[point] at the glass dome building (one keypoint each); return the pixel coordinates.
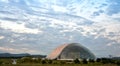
(71, 51)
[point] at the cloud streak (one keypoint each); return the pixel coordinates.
(18, 28)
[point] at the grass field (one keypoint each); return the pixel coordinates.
(59, 65)
(38, 62)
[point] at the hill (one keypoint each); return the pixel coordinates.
(9, 55)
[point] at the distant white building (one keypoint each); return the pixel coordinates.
(14, 61)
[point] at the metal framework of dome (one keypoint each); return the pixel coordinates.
(71, 51)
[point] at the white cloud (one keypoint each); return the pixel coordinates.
(59, 8)
(2, 37)
(87, 8)
(104, 18)
(15, 50)
(109, 27)
(26, 50)
(6, 1)
(7, 49)
(18, 28)
(65, 25)
(110, 44)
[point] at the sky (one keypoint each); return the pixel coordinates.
(39, 26)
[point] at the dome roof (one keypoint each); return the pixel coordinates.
(71, 51)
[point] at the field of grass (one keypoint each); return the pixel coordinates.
(59, 65)
(39, 62)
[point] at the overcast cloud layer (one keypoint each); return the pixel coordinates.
(39, 26)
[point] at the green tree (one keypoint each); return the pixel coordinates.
(118, 62)
(76, 61)
(43, 62)
(98, 60)
(39, 60)
(91, 61)
(85, 61)
(105, 60)
(50, 61)
(26, 60)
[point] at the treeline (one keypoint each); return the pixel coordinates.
(46, 61)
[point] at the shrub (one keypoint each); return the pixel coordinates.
(76, 61)
(62, 62)
(26, 59)
(118, 63)
(43, 62)
(106, 60)
(91, 61)
(98, 60)
(84, 61)
(1, 62)
(50, 61)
